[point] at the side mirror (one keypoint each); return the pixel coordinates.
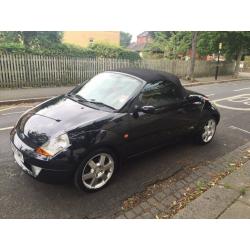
(146, 109)
(193, 98)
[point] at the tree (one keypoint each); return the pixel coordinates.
(41, 39)
(161, 34)
(238, 44)
(234, 45)
(32, 39)
(208, 42)
(173, 44)
(192, 62)
(179, 44)
(125, 39)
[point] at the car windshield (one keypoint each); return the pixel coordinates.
(109, 89)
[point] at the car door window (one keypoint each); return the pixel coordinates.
(160, 93)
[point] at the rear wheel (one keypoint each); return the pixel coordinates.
(207, 131)
(96, 170)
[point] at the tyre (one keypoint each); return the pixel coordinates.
(206, 131)
(96, 170)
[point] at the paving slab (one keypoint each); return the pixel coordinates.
(239, 179)
(214, 202)
(246, 197)
(209, 205)
(237, 210)
(226, 200)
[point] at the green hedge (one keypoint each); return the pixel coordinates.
(93, 51)
(111, 51)
(12, 48)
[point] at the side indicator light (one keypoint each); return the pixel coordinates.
(125, 136)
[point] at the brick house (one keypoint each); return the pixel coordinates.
(142, 40)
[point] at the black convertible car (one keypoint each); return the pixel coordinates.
(88, 132)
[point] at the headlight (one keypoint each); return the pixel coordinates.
(54, 146)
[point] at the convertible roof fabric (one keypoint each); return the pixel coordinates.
(150, 75)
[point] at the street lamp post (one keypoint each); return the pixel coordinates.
(218, 61)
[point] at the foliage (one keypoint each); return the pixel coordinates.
(164, 34)
(179, 44)
(12, 47)
(231, 41)
(111, 51)
(49, 43)
(208, 43)
(237, 41)
(159, 43)
(54, 50)
(172, 44)
(32, 39)
(10, 37)
(235, 45)
(125, 39)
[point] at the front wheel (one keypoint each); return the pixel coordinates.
(96, 170)
(207, 131)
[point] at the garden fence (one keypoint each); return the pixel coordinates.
(27, 70)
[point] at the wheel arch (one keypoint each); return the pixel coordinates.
(112, 148)
(209, 111)
(217, 117)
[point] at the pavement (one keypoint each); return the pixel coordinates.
(180, 164)
(230, 199)
(220, 79)
(14, 96)
(221, 201)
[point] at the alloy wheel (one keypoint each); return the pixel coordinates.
(209, 130)
(98, 171)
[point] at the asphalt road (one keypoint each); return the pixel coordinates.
(23, 197)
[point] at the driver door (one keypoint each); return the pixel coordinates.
(166, 118)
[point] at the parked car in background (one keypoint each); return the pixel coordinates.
(88, 133)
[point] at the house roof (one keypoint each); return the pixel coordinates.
(137, 47)
(144, 33)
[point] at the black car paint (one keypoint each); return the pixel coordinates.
(127, 132)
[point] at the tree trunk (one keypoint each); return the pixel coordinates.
(237, 65)
(25, 39)
(192, 62)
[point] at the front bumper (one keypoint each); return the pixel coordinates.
(37, 166)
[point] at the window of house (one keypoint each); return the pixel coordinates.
(91, 40)
(159, 94)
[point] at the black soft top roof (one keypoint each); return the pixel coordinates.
(150, 75)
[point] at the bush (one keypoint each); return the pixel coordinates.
(93, 51)
(110, 51)
(12, 48)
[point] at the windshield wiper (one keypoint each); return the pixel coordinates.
(76, 97)
(81, 98)
(100, 103)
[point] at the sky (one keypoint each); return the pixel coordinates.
(134, 34)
